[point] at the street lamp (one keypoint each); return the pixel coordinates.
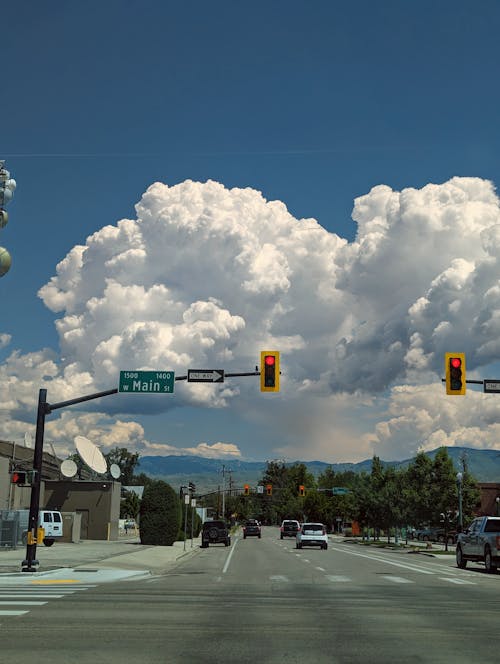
(460, 515)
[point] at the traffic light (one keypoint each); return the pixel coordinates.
(19, 477)
(454, 366)
(302, 490)
(246, 489)
(192, 487)
(269, 489)
(269, 371)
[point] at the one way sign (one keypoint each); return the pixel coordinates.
(205, 375)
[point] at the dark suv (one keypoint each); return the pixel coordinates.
(251, 527)
(215, 532)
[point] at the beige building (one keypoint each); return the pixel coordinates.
(97, 502)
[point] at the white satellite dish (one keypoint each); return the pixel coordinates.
(115, 471)
(69, 468)
(27, 439)
(91, 454)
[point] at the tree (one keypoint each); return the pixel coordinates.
(418, 490)
(130, 505)
(160, 514)
(125, 460)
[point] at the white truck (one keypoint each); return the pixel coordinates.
(480, 543)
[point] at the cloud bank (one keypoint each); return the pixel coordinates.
(206, 276)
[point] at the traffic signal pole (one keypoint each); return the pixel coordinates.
(30, 563)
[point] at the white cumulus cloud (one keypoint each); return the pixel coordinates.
(206, 276)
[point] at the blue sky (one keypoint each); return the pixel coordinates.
(312, 104)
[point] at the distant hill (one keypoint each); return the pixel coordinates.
(207, 473)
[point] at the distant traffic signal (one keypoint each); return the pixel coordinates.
(192, 487)
(302, 490)
(454, 366)
(246, 489)
(269, 489)
(269, 371)
(19, 477)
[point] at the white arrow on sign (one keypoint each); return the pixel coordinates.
(205, 375)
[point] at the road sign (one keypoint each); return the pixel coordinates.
(339, 491)
(147, 382)
(491, 385)
(205, 375)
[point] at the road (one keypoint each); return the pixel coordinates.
(264, 601)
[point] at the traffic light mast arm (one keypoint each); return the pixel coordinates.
(473, 382)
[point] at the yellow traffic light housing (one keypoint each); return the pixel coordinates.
(269, 371)
(302, 490)
(454, 367)
(246, 489)
(269, 489)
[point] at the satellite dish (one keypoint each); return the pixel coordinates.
(91, 454)
(69, 468)
(27, 439)
(115, 471)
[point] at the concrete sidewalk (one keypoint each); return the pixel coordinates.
(125, 554)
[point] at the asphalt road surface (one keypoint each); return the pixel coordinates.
(263, 601)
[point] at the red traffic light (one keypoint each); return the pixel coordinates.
(270, 360)
(456, 362)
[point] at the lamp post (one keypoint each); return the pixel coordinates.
(460, 515)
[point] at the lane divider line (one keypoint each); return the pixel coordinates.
(228, 559)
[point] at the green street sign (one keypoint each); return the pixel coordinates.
(147, 382)
(339, 491)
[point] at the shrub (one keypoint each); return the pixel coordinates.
(160, 514)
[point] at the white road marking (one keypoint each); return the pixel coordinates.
(12, 613)
(21, 603)
(279, 577)
(320, 569)
(228, 559)
(337, 579)
(412, 568)
(397, 579)
(458, 581)
(32, 595)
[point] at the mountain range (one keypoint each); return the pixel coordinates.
(207, 474)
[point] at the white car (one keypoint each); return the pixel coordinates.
(312, 534)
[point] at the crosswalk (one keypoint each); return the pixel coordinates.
(18, 600)
(390, 578)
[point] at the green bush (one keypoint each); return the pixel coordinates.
(160, 514)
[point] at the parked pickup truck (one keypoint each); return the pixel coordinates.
(480, 543)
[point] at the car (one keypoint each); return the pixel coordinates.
(312, 534)
(215, 532)
(289, 528)
(251, 527)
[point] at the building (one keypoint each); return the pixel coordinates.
(97, 501)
